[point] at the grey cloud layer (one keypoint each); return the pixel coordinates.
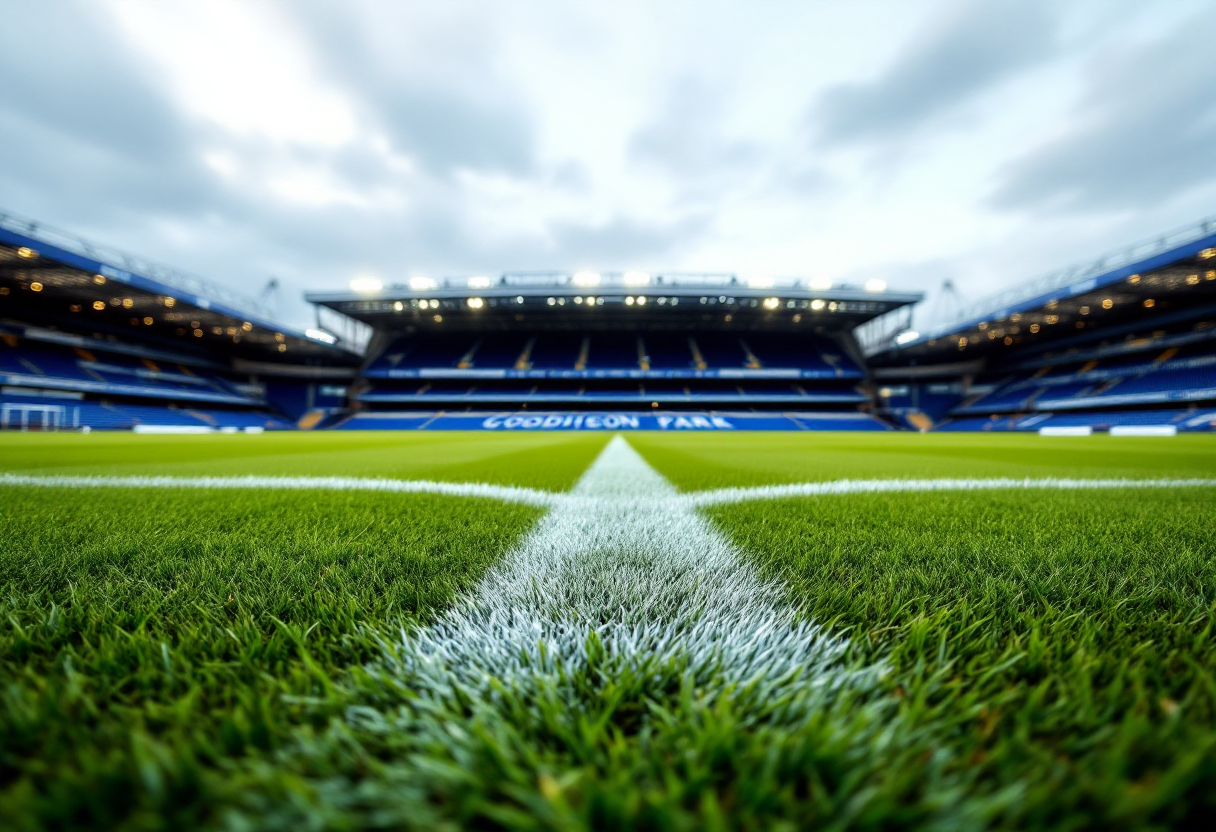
(1145, 132)
(979, 46)
(421, 116)
(93, 142)
(94, 139)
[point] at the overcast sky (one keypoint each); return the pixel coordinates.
(983, 142)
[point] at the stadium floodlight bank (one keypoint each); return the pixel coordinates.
(606, 299)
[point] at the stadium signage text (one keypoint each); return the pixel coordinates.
(605, 421)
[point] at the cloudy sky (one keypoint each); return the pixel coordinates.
(913, 141)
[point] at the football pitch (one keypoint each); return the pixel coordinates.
(569, 631)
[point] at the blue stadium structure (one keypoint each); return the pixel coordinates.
(664, 351)
(95, 338)
(1127, 343)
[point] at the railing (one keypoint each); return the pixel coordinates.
(1065, 277)
(174, 278)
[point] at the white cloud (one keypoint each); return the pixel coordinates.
(240, 66)
(312, 140)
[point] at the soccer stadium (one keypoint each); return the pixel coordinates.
(96, 339)
(607, 550)
(547, 417)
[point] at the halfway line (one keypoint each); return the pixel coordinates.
(547, 499)
(506, 493)
(821, 489)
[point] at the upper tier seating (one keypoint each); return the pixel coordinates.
(35, 364)
(562, 352)
(1147, 377)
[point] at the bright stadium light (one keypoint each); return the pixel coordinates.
(772, 303)
(876, 285)
(817, 305)
(479, 282)
(366, 284)
(420, 284)
(586, 279)
(905, 337)
(636, 278)
(820, 284)
(476, 303)
(321, 335)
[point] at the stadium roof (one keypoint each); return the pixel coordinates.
(593, 300)
(1172, 274)
(54, 277)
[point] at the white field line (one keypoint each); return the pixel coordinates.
(506, 493)
(625, 558)
(824, 489)
(541, 498)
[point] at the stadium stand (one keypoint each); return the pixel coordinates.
(1130, 341)
(92, 338)
(100, 339)
(542, 343)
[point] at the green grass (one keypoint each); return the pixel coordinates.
(1062, 644)
(696, 461)
(174, 659)
(553, 461)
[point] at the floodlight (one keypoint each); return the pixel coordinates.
(366, 284)
(771, 303)
(586, 279)
(476, 303)
(820, 284)
(479, 282)
(321, 335)
(419, 284)
(876, 285)
(817, 305)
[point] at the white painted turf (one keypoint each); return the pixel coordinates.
(625, 558)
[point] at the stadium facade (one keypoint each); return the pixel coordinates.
(95, 338)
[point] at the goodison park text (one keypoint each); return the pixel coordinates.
(605, 421)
